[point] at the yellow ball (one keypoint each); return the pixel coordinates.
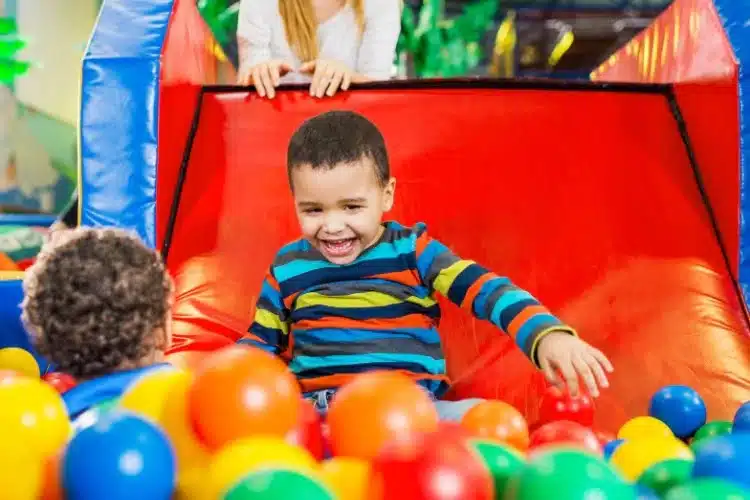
(175, 421)
(347, 477)
(632, 458)
(21, 470)
(191, 485)
(34, 412)
(19, 361)
(644, 427)
(147, 394)
(245, 456)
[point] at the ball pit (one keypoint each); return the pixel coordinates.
(156, 442)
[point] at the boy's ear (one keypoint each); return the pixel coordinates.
(389, 191)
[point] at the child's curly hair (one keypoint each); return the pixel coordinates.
(96, 300)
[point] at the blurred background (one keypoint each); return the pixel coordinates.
(42, 43)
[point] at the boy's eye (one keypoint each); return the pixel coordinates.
(312, 210)
(353, 207)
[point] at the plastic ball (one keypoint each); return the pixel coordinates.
(240, 391)
(644, 427)
(431, 466)
(557, 404)
(708, 489)
(35, 411)
(122, 456)
(279, 485)
(712, 430)
(249, 455)
(610, 447)
(147, 394)
(632, 458)
(680, 407)
(51, 479)
(566, 474)
(309, 431)
(349, 478)
(21, 470)
(570, 434)
(498, 421)
(725, 457)
(20, 361)
(503, 461)
(662, 476)
(741, 422)
(375, 408)
(62, 382)
(645, 493)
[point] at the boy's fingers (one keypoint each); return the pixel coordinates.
(549, 372)
(570, 376)
(598, 370)
(603, 360)
(584, 372)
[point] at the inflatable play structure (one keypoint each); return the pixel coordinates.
(621, 203)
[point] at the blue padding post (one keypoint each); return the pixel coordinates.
(12, 332)
(40, 220)
(119, 116)
(734, 17)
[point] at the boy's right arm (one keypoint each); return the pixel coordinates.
(269, 328)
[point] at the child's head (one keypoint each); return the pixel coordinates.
(339, 174)
(98, 301)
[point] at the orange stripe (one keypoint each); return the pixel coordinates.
(408, 278)
(474, 289)
(407, 321)
(254, 338)
(272, 281)
(288, 301)
(334, 381)
(523, 317)
(422, 241)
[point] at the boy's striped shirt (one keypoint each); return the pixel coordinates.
(380, 312)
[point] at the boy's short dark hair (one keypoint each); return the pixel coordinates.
(336, 137)
(94, 299)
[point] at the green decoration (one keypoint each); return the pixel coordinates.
(440, 47)
(278, 485)
(503, 462)
(10, 44)
(221, 18)
(567, 474)
(665, 475)
(707, 489)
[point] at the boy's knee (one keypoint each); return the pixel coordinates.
(454, 411)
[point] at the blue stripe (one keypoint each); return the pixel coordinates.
(390, 251)
(294, 246)
(391, 311)
(342, 273)
(506, 300)
(536, 323)
(304, 363)
(259, 345)
(485, 293)
(463, 281)
(326, 335)
(270, 335)
(272, 295)
(506, 317)
(432, 250)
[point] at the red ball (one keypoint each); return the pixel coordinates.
(566, 433)
(604, 437)
(558, 404)
(62, 382)
(433, 466)
(309, 431)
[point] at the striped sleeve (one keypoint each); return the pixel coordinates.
(269, 328)
(486, 295)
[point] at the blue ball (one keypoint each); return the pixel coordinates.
(742, 419)
(680, 407)
(644, 493)
(121, 456)
(725, 457)
(611, 446)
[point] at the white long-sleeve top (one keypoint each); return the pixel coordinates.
(261, 37)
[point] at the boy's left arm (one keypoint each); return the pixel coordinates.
(548, 342)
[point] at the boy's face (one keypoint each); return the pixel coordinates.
(340, 209)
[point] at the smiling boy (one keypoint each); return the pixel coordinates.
(356, 294)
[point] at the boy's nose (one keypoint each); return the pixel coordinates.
(333, 225)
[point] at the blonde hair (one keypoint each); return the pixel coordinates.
(302, 28)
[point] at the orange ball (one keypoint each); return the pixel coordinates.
(51, 481)
(498, 421)
(377, 408)
(240, 391)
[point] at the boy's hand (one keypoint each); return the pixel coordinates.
(573, 358)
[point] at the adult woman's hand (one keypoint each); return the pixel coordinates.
(264, 76)
(328, 77)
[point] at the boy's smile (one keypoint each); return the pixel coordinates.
(340, 208)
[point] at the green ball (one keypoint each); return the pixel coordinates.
(567, 474)
(707, 489)
(503, 462)
(278, 485)
(662, 476)
(712, 429)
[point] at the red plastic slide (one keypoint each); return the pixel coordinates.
(584, 195)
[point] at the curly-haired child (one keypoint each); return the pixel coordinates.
(97, 305)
